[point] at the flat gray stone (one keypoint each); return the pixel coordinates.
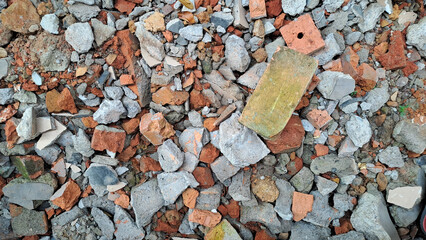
(29, 222)
(391, 156)
(49, 154)
(104, 223)
(172, 185)
(113, 92)
(284, 200)
(223, 169)
(237, 57)
(189, 163)
(359, 130)
(371, 218)
(126, 228)
(170, 156)
(404, 217)
(239, 144)
(343, 202)
(146, 200)
(174, 25)
(342, 166)
(4, 67)
(132, 107)
(109, 111)
(412, 135)
(99, 202)
(67, 217)
(240, 186)
(335, 85)
(80, 36)
(100, 176)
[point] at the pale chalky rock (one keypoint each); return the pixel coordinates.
(172, 185)
(236, 54)
(359, 130)
(80, 37)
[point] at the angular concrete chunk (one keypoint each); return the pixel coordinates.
(278, 92)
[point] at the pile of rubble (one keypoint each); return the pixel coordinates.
(208, 119)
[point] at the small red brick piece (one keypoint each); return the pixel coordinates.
(257, 9)
(126, 79)
(318, 118)
(302, 35)
(302, 205)
(204, 177)
(289, 139)
(395, 57)
(205, 217)
(209, 153)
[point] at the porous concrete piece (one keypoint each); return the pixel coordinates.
(411, 134)
(170, 156)
(371, 218)
(391, 156)
(193, 33)
(358, 130)
(146, 200)
(209, 198)
(240, 145)
(251, 77)
(322, 214)
(324, 185)
(303, 180)
(126, 228)
(173, 184)
(405, 197)
(335, 85)
(302, 35)
(80, 37)
(278, 92)
(305, 231)
(29, 222)
(342, 166)
(371, 15)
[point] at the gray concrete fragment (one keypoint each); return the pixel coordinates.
(371, 15)
(6, 95)
(82, 143)
(404, 217)
(293, 7)
(342, 166)
(412, 135)
(305, 231)
(80, 36)
(170, 156)
(109, 111)
(27, 128)
(126, 228)
(352, 235)
(223, 169)
(236, 54)
(240, 186)
(303, 180)
(193, 33)
(100, 176)
(335, 85)
(359, 130)
(50, 23)
(113, 92)
(263, 213)
(83, 12)
(252, 76)
(193, 139)
(284, 200)
(343, 202)
(324, 185)
(371, 218)
(377, 98)
(104, 223)
(146, 200)
(416, 35)
(101, 31)
(391, 156)
(322, 214)
(239, 144)
(221, 19)
(330, 50)
(172, 185)
(209, 198)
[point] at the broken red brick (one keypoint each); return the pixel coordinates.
(257, 9)
(318, 118)
(189, 197)
(66, 101)
(294, 166)
(367, 77)
(155, 128)
(302, 205)
(147, 164)
(204, 177)
(124, 6)
(123, 201)
(166, 96)
(321, 150)
(205, 217)
(273, 8)
(209, 153)
(126, 79)
(302, 35)
(67, 196)
(410, 69)
(289, 139)
(395, 57)
(233, 209)
(106, 138)
(89, 122)
(130, 125)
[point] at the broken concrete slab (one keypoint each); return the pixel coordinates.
(146, 200)
(278, 92)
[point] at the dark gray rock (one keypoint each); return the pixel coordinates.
(100, 176)
(342, 166)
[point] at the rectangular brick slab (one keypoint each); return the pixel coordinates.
(278, 92)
